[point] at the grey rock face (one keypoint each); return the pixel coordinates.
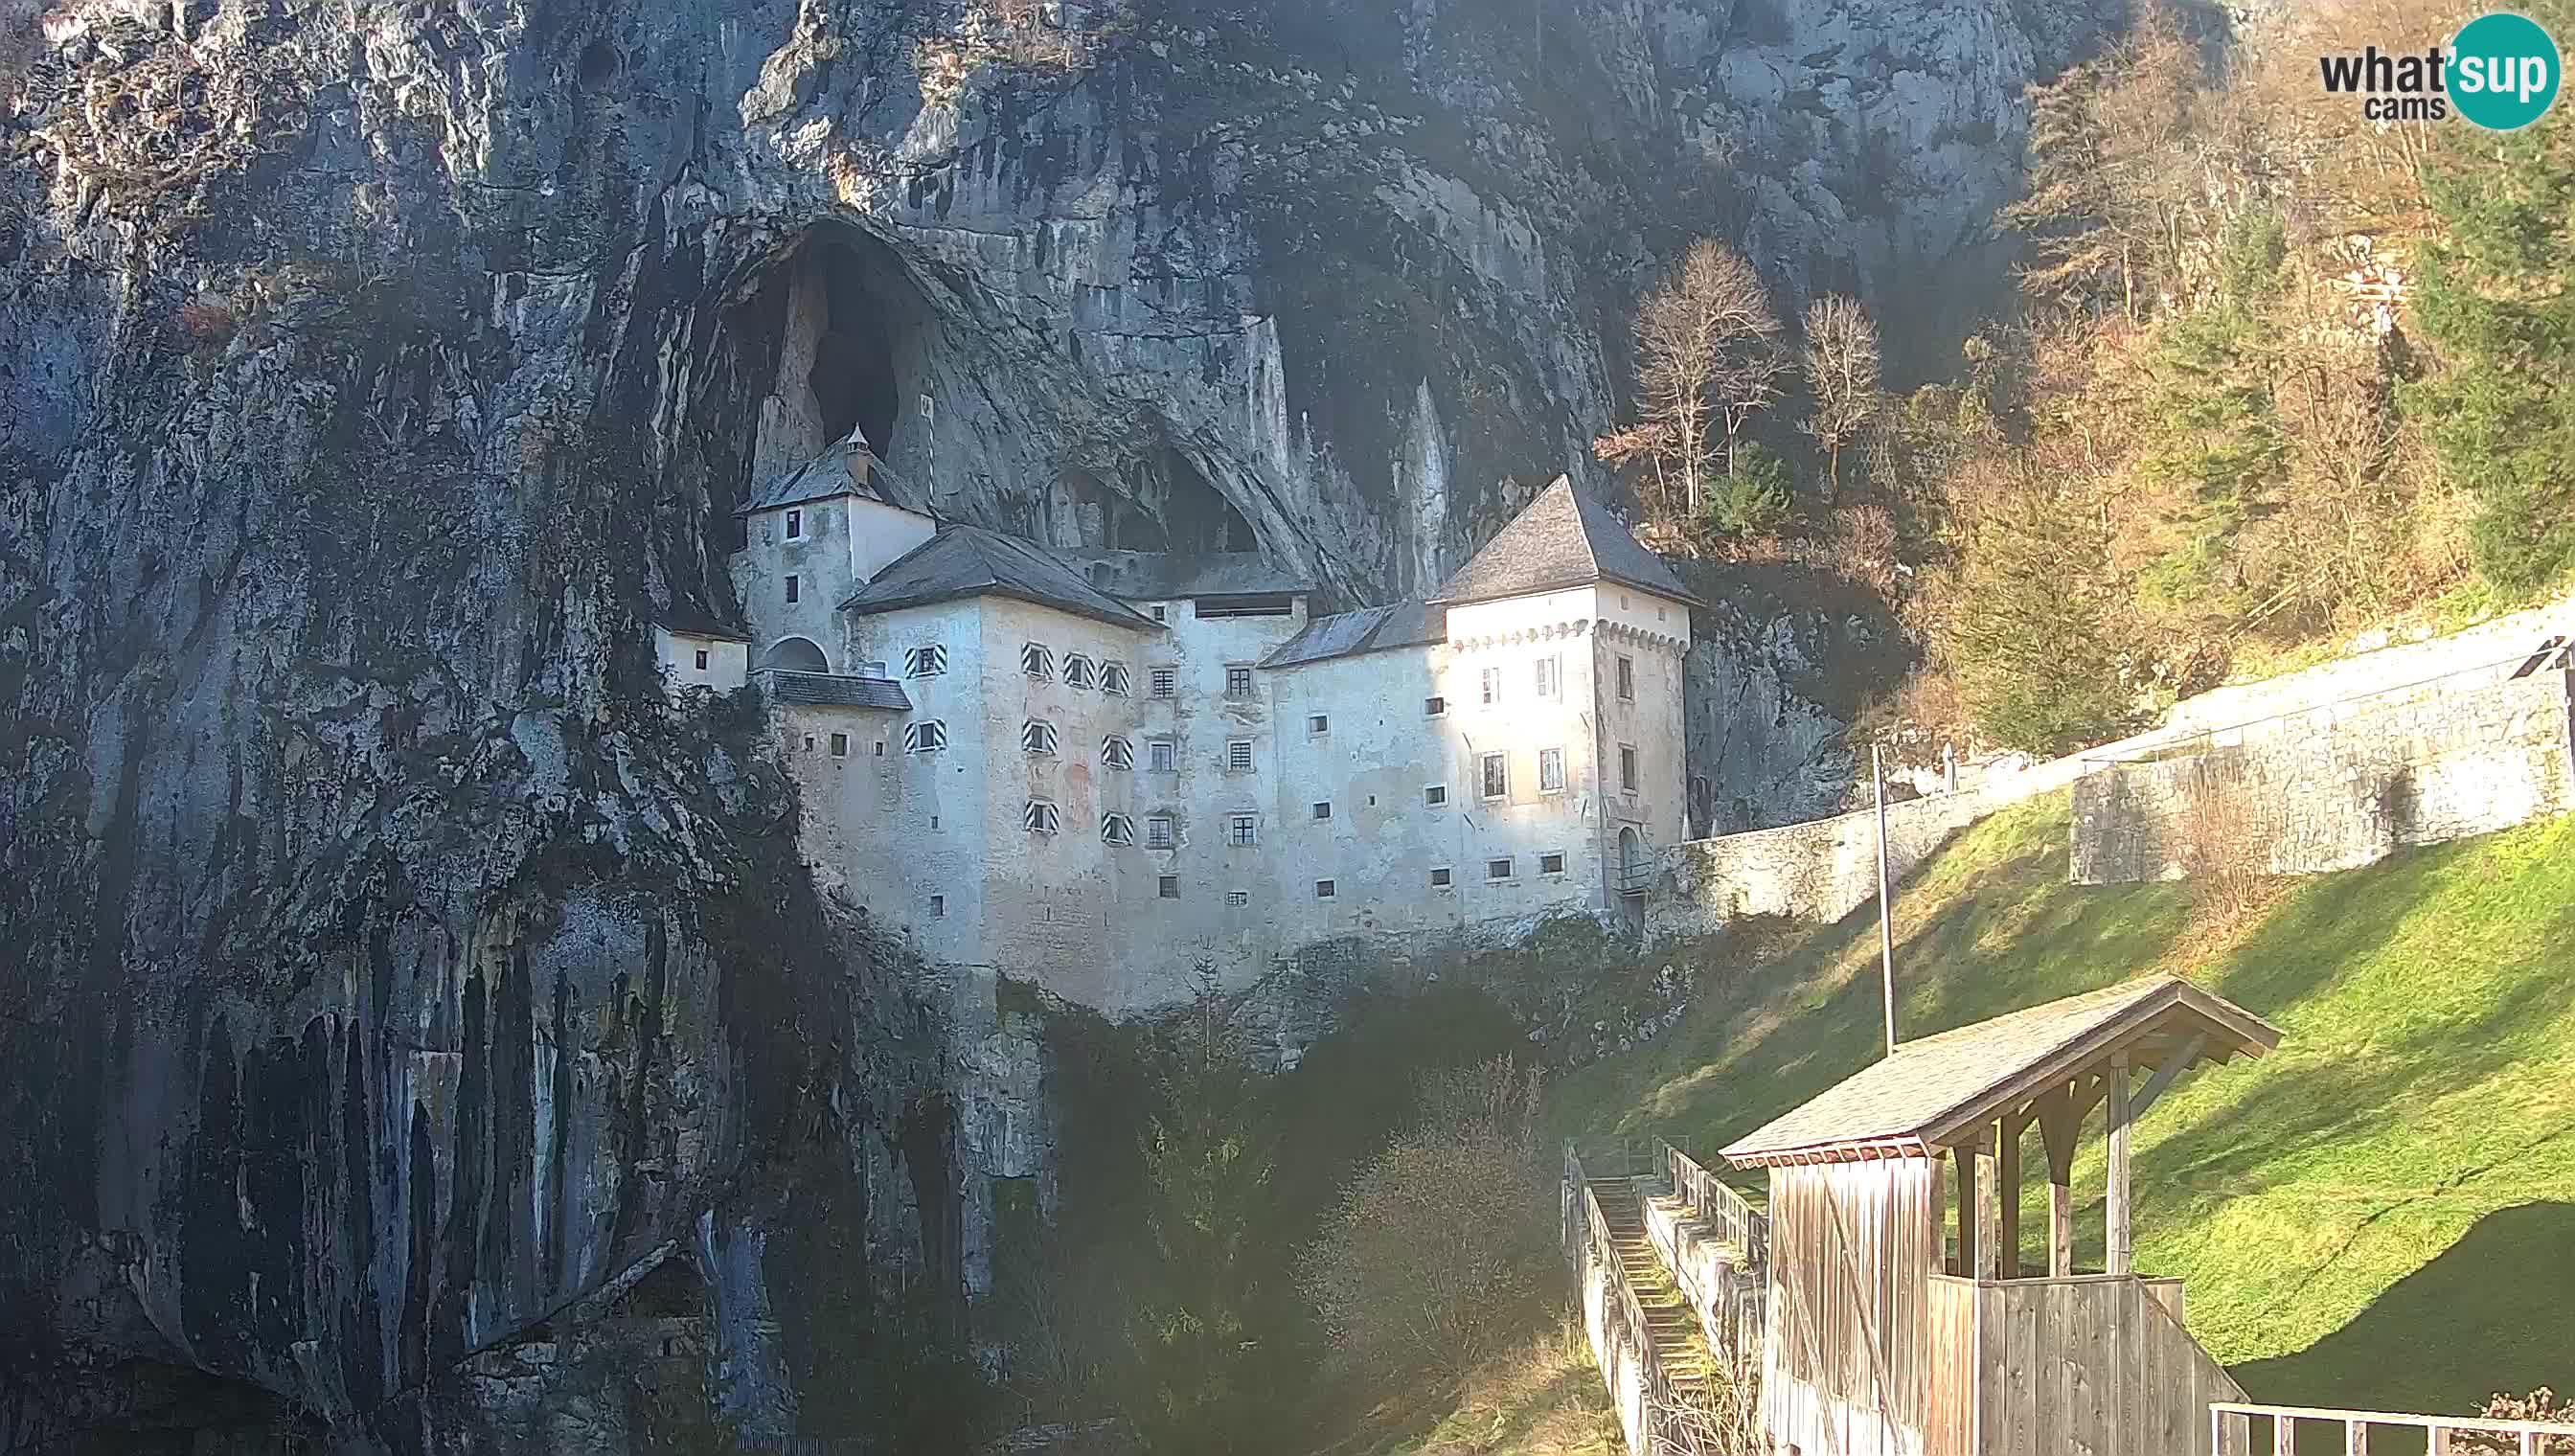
(382, 972)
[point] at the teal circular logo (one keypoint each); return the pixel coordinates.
(2503, 71)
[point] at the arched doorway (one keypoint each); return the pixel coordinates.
(1631, 860)
(795, 655)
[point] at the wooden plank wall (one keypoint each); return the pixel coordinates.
(1950, 1351)
(1852, 1250)
(2095, 1365)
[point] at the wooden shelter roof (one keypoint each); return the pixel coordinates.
(1943, 1091)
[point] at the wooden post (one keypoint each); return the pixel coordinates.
(2355, 1438)
(1966, 1159)
(2059, 1125)
(1990, 1238)
(2007, 1198)
(2284, 1436)
(2121, 1249)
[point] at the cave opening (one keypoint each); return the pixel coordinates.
(1196, 518)
(855, 339)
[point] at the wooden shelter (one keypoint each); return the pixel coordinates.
(1879, 1339)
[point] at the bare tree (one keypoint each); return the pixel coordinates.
(1841, 361)
(1708, 358)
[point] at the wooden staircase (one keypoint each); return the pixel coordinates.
(1681, 1348)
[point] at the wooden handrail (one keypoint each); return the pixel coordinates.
(1660, 1394)
(1710, 1199)
(2355, 1423)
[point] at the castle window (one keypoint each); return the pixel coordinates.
(1243, 830)
(1113, 679)
(1076, 671)
(1497, 868)
(1434, 796)
(1038, 736)
(939, 908)
(1163, 756)
(1550, 677)
(1323, 811)
(808, 742)
(1169, 887)
(1323, 890)
(928, 661)
(1161, 831)
(701, 660)
(840, 746)
(1165, 682)
(880, 748)
(1237, 681)
(1117, 753)
(1162, 613)
(1237, 755)
(927, 737)
(1493, 680)
(1318, 723)
(1497, 776)
(1434, 707)
(1439, 879)
(1117, 829)
(1627, 679)
(795, 525)
(1037, 661)
(791, 590)
(1550, 864)
(1550, 771)
(873, 669)
(1040, 818)
(1628, 768)
(1237, 898)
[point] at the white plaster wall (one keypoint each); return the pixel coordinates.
(820, 563)
(877, 534)
(728, 663)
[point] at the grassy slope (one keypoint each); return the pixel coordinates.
(2380, 1213)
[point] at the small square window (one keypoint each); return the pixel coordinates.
(1497, 776)
(1628, 768)
(840, 746)
(1037, 661)
(1498, 869)
(925, 738)
(924, 661)
(880, 748)
(808, 742)
(1040, 818)
(1237, 755)
(1117, 753)
(1163, 756)
(1318, 723)
(792, 591)
(1550, 864)
(1243, 830)
(1165, 682)
(1077, 672)
(1439, 879)
(1113, 679)
(1550, 771)
(1323, 811)
(1117, 829)
(939, 908)
(1434, 707)
(1162, 613)
(1238, 681)
(701, 660)
(1323, 890)
(795, 525)
(1169, 886)
(1037, 737)
(1237, 898)
(1627, 680)
(1161, 831)
(1434, 796)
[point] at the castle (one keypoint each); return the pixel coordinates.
(1096, 769)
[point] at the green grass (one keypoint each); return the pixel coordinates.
(2380, 1213)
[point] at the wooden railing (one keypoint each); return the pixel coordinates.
(1628, 1330)
(1735, 1221)
(2082, 1362)
(2230, 1430)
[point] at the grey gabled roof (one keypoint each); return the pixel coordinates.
(969, 561)
(1562, 538)
(831, 689)
(845, 468)
(1368, 629)
(1928, 1093)
(1158, 576)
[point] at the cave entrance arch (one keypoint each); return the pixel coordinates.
(852, 343)
(795, 655)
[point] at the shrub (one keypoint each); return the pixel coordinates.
(2540, 1405)
(208, 325)
(1753, 499)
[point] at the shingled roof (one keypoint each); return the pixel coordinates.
(847, 469)
(687, 619)
(1157, 576)
(1942, 1090)
(1563, 539)
(1368, 629)
(969, 561)
(831, 689)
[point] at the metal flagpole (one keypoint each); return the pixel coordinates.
(1885, 924)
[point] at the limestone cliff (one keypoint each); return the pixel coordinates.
(386, 975)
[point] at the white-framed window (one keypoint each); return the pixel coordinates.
(1117, 753)
(1038, 736)
(1499, 868)
(796, 526)
(1323, 890)
(1163, 756)
(930, 660)
(1117, 829)
(1238, 680)
(1550, 677)
(926, 737)
(701, 660)
(1491, 679)
(1169, 888)
(1040, 818)
(1434, 796)
(795, 591)
(1550, 771)
(1236, 900)
(1628, 768)
(1242, 829)
(1439, 879)
(1552, 864)
(1497, 770)
(1165, 682)
(1113, 679)
(1037, 661)
(840, 746)
(1318, 723)
(872, 667)
(1237, 755)
(1162, 613)
(1162, 832)
(1323, 809)
(1627, 679)
(1077, 672)
(1434, 707)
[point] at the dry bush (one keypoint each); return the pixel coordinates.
(1721, 1418)
(1862, 549)
(208, 324)
(2223, 844)
(1841, 366)
(1518, 1403)
(2540, 1405)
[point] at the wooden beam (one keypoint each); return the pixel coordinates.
(2007, 1198)
(2174, 1066)
(2122, 1249)
(1966, 1159)
(1989, 1239)
(2060, 1126)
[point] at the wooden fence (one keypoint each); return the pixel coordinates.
(1720, 1207)
(2230, 1431)
(2089, 1362)
(1622, 1340)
